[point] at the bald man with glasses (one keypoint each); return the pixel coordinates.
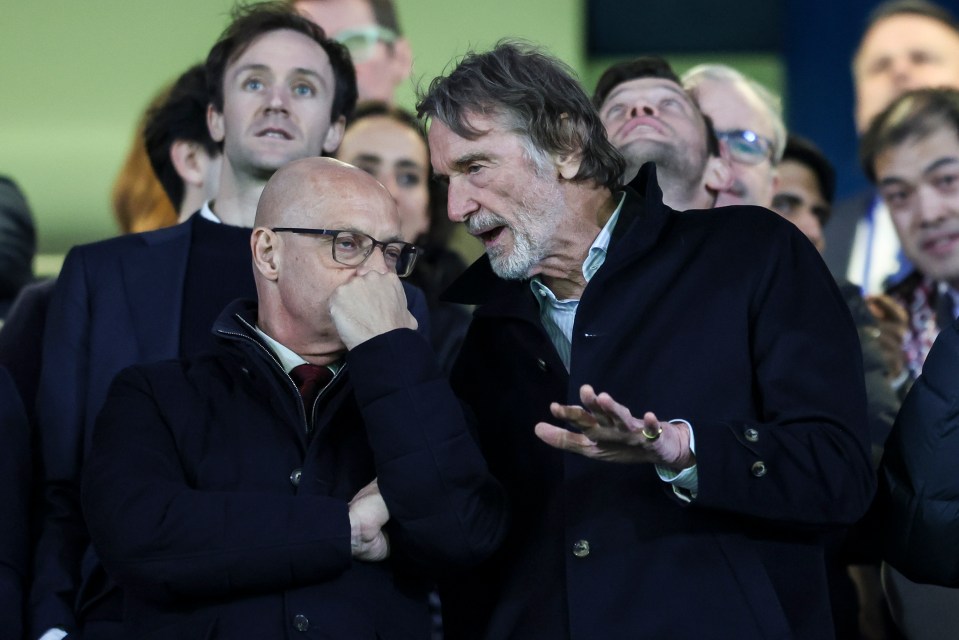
(313, 473)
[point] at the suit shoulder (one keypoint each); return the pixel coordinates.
(132, 242)
(741, 221)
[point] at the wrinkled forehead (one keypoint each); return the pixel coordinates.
(646, 87)
(733, 105)
(365, 207)
(903, 32)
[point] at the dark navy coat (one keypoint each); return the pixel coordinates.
(920, 472)
(116, 303)
(727, 318)
(223, 515)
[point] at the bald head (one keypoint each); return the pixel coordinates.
(304, 205)
(302, 189)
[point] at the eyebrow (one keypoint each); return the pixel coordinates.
(302, 71)
(352, 229)
(368, 158)
(941, 162)
(666, 85)
(468, 159)
(931, 167)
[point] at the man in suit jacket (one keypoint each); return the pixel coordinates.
(721, 331)
(280, 90)
(237, 509)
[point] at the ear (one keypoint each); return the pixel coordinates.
(718, 175)
(190, 161)
(214, 122)
(266, 258)
(334, 136)
(568, 165)
(402, 60)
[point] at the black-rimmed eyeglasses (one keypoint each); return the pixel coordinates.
(352, 248)
(745, 146)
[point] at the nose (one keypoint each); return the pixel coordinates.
(643, 107)
(459, 201)
(278, 99)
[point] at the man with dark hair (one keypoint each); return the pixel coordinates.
(370, 30)
(807, 183)
(184, 157)
(911, 153)
(239, 505)
(649, 117)
(702, 515)
(280, 91)
(906, 44)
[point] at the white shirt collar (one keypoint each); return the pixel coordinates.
(207, 212)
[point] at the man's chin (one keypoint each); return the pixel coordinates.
(508, 269)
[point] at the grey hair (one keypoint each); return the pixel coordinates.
(699, 74)
(535, 96)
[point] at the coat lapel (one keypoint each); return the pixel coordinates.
(153, 287)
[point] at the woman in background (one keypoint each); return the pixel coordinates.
(390, 144)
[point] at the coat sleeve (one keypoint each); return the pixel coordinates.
(446, 509)
(919, 480)
(804, 458)
(61, 395)
(164, 540)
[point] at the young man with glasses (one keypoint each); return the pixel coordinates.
(269, 485)
(749, 124)
(370, 30)
(649, 117)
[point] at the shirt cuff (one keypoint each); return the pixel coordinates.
(686, 482)
(54, 634)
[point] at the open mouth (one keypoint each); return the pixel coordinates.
(488, 236)
(641, 122)
(271, 132)
(941, 245)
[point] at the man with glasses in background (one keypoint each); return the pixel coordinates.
(370, 30)
(270, 483)
(748, 121)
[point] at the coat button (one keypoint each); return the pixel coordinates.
(301, 622)
(541, 364)
(758, 469)
(581, 548)
(751, 434)
(295, 477)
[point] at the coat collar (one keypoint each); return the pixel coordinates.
(642, 220)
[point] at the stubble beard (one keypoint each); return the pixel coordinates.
(537, 218)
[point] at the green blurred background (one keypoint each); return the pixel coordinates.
(78, 74)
